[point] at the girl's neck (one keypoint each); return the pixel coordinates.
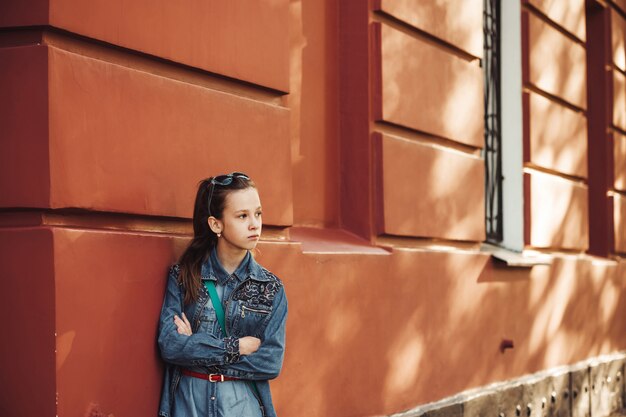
(230, 258)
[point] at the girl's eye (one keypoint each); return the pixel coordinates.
(242, 216)
(258, 214)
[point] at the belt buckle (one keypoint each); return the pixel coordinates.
(218, 378)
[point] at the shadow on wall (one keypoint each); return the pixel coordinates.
(431, 192)
(374, 335)
(379, 334)
(367, 334)
(564, 73)
(558, 213)
(448, 90)
(558, 137)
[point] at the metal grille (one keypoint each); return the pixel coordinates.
(493, 140)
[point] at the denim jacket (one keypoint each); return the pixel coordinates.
(256, 307)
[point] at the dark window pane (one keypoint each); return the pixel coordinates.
(493, 141)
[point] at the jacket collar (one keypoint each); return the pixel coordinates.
(247, 269)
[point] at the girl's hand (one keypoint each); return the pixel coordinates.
(183, 325)
(248, 345)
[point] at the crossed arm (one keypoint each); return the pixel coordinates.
(247, 344)
(246, 357)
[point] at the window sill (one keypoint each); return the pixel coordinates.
(524, 259)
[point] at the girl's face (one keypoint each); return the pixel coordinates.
(241, 222)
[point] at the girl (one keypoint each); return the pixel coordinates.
(222, 369)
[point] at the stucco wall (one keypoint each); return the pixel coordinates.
(362, 124)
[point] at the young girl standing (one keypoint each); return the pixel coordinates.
(222, 324)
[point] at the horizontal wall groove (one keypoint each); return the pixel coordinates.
(541, 15)
(424, 138)
(84, 219)
(528, 87)
(616, 129)
(23, 36)
(139, 61)
(109, 221)
(394, 22)
(529, 167)
(613, 66)
(616, 8)
(619, 193)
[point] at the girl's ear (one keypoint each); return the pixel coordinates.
(215, 225)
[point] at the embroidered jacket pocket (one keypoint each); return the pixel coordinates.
(251, 319)
(247, 310)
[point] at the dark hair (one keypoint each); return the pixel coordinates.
(204, 240)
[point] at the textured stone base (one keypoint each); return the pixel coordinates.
(593, 388)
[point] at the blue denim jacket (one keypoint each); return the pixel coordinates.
(256, 307)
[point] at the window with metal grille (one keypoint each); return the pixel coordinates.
(493, 140)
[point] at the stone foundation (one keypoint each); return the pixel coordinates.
(593, 388)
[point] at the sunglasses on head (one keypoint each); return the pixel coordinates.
(224, 180)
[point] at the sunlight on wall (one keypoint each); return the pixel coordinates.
(64, 347)
(345, 326)
(619, 99)
(558, 136)
(618, 37)
(619, 213)
(459, 23)
(447, 91)
(551, 294)
(459, 111)
(619, 152)
(561, 345)
(565, 224)
(404, 358)
(619, 54)
(557, 64)
(570, 14)
(608, 291)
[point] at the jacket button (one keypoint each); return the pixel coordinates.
(212, 398)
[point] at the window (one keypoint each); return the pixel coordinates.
(492, 152)
(503, 154)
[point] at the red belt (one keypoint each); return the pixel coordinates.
(209, 377)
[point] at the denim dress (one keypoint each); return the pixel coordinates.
(197, 397)
(255, 305)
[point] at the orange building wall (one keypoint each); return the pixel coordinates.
(555, 133)
(367, 156)
(425, 149)
(313, 103)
